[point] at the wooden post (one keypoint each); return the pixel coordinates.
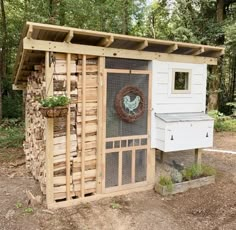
(161, 156)
(101, 66)
(83, 124)
(198, 156)
(49, 134)
(68, 147)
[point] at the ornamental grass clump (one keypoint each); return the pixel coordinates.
(55, 101)
(196, 171)
(166, 181)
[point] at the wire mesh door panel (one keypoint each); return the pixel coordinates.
(126, 145)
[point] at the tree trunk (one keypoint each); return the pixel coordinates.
(213, 100)
(3, 66)
(125, 29)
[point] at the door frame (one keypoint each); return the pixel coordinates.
(149, 154)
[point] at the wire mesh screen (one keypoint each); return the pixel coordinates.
(115, 126)
(122, 63)
(126, 167)
(140, 165)
(112, 161)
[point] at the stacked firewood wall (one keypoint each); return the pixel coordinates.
(34, 145)
(59, 164)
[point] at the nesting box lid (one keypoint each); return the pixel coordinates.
(182, 117)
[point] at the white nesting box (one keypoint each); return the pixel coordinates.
(178, 118)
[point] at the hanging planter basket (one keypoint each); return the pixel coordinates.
(53, 112)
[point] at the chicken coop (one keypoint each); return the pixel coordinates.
(128, 97)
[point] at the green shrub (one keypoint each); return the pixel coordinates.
(222, 122)
(176, 176)
(54, 101)
(11, 133)
(208, 170)
(166, 181)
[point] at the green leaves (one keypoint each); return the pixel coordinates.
(54, 101)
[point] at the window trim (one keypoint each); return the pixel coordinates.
(186, 91)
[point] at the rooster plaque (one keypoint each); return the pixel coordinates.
(129, 103)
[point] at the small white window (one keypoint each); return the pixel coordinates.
(181, 81)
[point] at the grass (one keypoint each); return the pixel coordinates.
(166, 181)
(196, 171)
(11, 140)
(222, 122)
(11, 133)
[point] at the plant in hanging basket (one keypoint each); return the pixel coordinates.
(54, 106)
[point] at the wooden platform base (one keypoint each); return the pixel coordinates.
(184, 186)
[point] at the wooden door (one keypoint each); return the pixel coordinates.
(126, 129)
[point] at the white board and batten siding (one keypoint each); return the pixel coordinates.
(179, 134)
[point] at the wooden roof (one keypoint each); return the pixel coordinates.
(30, 55)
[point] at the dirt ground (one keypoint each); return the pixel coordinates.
(210, 207)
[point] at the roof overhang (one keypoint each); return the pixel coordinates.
(38, 38)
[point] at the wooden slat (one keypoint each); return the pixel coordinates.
(30, 31)
(83, 131)
(101, 66)
(49, 136)
(68, 142)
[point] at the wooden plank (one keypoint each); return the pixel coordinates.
(76, 202)
(30, 31)
(103, 121)
(142, 45)
(83, 131)
(49, 136)
(30, 44)
(117, 36)
(69, 36)
(171, 48)
(106, 42)
(199, 51)
(101, 66)
(19, 87)
(68, 141)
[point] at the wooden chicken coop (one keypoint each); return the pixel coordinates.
(128, 96)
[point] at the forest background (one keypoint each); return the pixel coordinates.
(210, 22)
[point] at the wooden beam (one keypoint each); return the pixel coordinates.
(172, 48)
(20, 66)
(49, 135)
(68, 141)
(19, 87)
(69, 36)
(106, 42)
(142, 45)
(83, 125)
(30, 44)
(199, 51)
(30, 31)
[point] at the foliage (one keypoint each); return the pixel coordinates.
(19, 204)
(115, 205)
(176, 176)
(222, 122)
(28, 210)
(196, 171)
(54, 101)
(166, 181)
(12, 133)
